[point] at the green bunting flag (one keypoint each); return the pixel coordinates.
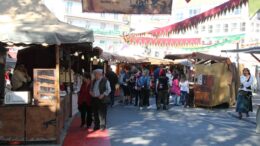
(254, 6)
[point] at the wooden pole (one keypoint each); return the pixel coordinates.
(57, 93)
(71, 86)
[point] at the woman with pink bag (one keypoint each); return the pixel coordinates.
(175, 90)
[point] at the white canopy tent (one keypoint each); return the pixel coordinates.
(30, 22)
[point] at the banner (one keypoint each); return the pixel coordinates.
(128, 6)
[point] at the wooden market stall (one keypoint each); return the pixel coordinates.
(118, 60)
(214, 79)
(39, 112)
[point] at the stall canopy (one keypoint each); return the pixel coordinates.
(195, 20)
(156, 61)
(118, 58)
(203, 58)
(30, 22)
(252, 51)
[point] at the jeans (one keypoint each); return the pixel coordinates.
(184, 98)
(100, 113)
(176, 99)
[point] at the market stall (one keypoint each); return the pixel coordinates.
(39, 111)
(214, 79)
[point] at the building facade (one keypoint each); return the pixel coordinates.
(108, 28)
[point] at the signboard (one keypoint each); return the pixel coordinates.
(128, 6)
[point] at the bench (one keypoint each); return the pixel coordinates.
(258, 119)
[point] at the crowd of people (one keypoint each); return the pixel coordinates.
(137, 85)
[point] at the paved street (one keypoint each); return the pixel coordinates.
(129, 126)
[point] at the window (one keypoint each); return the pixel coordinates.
(258, 15)
(179, 16)
(217, 28)
(116, 16)
(210, 30)
(87, 25)
(257, 27)
(69, 7)
(103, 26)
(196, 30)
(226, 28)
(102, 15)
(243, 26)
(156, 54)
(116, 27)
(193, 12)
(233, 27)
(115, 42)
(203, 28)
(237, 11)
(102, 42)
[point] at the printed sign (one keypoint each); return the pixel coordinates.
(128, 6)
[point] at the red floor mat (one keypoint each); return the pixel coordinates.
(77, 136)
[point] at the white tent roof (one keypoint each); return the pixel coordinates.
(30, 22)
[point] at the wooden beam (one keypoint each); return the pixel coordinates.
(255, 57)
(57, 93)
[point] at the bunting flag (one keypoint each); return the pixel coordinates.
(222, 40)
(128, 6)
(254, 6)
(189, 44)
(163, 41)
(195, 20)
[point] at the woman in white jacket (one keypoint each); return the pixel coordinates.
(244, 98)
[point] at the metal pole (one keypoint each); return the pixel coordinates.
(238, 65)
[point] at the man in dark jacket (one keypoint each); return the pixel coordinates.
(100, 91)
(113, 79)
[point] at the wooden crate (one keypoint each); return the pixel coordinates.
(41, 124)
(12, 119)
(202, 98)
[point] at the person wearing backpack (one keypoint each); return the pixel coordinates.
(162, 88)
